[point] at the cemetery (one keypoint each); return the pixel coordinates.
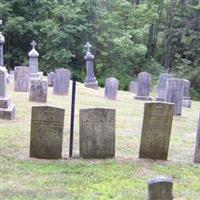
(68, 137)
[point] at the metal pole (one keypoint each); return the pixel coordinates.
(71, 139)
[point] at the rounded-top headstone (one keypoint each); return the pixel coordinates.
(111, 88)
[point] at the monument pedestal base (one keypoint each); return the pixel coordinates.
(160, 99)
(8, 113)
(37, 75)
(143, 98)
(91, 84)
(4, 102)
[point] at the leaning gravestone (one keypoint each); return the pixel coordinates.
(61, 82)
(38, 91)
(161, 90)
(156, 130)
(160, 188)
(97, 133)
(133, 87)
(174, 94)
(21, 75)
(51, 78)
(197, 146)
(46, 132)
(7, 109)
(111, 88)
(186, 94)
(144, 86)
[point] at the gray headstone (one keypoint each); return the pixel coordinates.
(33, 59)
(90, 80)
(160, 188)
(197, 145)
(161, 90)
(186, 94)
(144, 86)
(111, 88)
(7, 110)
(174, 94)
(38, 91)
(61, 83)
(156, 130)
(2, 41)
(133, 87)
(97, 133)
(21, 79)
(51, 78)
(46, 132)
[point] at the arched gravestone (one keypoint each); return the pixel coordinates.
(47, 124)
(38, 91)
(21, 77)
(161, 90)
(133, 87)
(61, 81)
(186, 94)
(111, 88)
(197, 145)
(174, 94)
(160, 188)
(144, 86)
(97, 133)
(156, 130)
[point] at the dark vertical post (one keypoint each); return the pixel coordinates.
(71, 139)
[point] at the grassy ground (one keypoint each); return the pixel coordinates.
(124, 177)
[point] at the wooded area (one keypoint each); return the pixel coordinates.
(128, 36)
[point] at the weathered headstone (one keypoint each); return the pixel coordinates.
(61, 81)
(38, 91)
(111, 88)
(174, 94)
(51, 78)
(7, 110)
(186, 94)
(156, 130)
(90, 80)
(197, 145)
(160, 188)
(133, 87)
(46, 132)
(144, 86)
(161, 90)
(21, 75)
(97, 133)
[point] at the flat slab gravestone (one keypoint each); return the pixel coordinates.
(61, 83)
(111, 88)
(174, 94)
(156, 130)
(46, 132)
(51, 78)
(161, 90)
(21, 76)
(160, 188)
(143, 86)
(38, 91)
(97, 133)
(133, 87)
(197, 145)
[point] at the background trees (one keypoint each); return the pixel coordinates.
(128, 36)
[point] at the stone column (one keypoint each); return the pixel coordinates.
(90, 80)
(197, 146)
(2, 41)
(186, 94)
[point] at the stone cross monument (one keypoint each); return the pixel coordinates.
(90, 80)
(2, 41)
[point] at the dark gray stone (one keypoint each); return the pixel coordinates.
(111, 88)
(62, 80)
(197, 145)
(21, 79)
(144, 86)
(160, 188)
(90, 80)
(51, 78)
(46, 132)
(97, 133)
(174, 94)
(38, 91)
(133, 87)
(156, 130)
(161, 90)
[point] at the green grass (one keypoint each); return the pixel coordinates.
(124, 177)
